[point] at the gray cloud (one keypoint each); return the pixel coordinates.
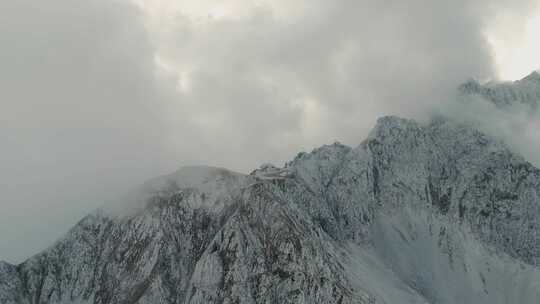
(509, 113)
(81, 114)
(281, 83)
(87, 113)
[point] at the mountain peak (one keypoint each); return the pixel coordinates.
(533, 77)
(211, 184)
(389, 125)
(506, 94)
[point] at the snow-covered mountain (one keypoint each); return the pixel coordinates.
(417, 213)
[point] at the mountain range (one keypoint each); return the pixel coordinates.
(435, 212)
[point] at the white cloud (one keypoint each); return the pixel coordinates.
(516, 51)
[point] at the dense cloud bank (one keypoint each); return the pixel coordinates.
(99, 95)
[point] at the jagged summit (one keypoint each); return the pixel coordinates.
(387, 124)
(524, 92)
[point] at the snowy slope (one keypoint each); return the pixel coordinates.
(436, 213)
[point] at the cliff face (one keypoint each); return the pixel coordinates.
(436, 213)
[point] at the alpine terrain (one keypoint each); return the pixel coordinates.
(434, 212)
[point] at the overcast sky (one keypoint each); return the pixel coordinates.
(99, 95)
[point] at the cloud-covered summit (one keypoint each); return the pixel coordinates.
(99, 95)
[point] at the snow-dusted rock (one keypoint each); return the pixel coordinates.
(11, 287)
(525, 91)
